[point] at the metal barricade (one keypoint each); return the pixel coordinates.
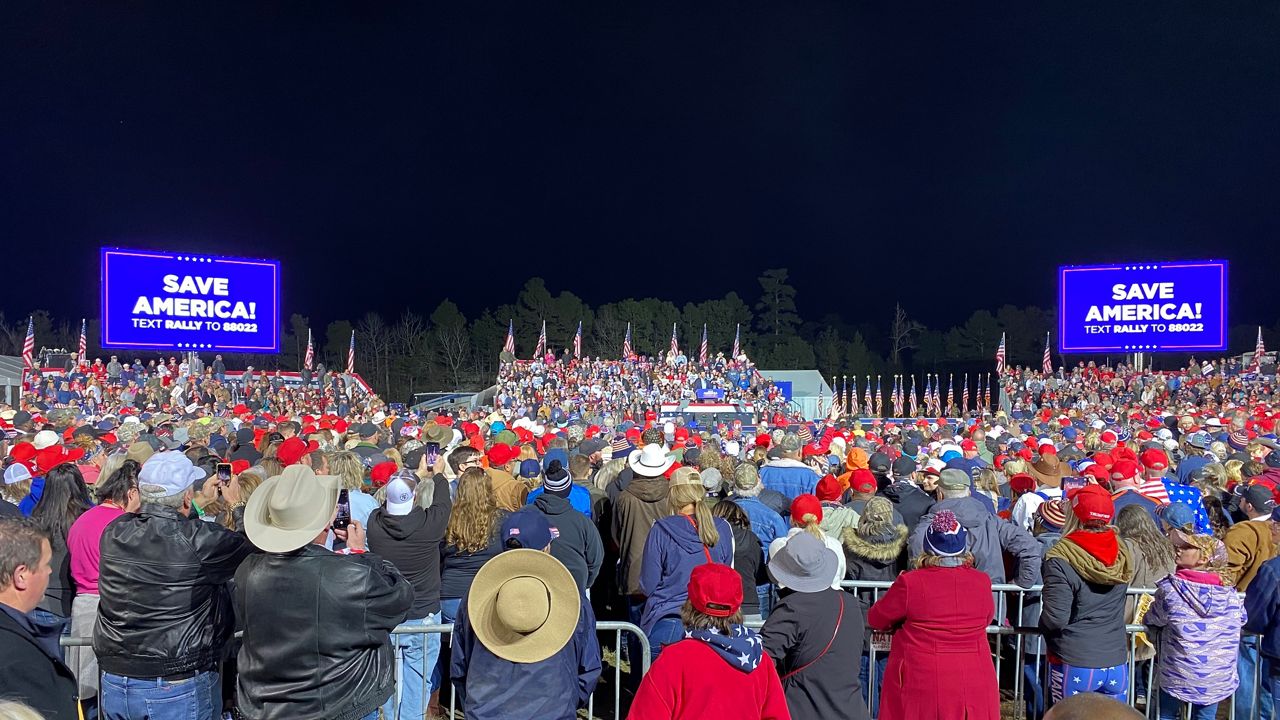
(617, 628)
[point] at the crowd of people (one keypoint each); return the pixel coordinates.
(253, 555)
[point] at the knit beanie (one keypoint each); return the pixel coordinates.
(556, 479)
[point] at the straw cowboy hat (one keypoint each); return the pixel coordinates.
(291, 509)
(650, 461)
(523, 605)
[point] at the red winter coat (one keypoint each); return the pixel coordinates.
(690, 681)
(940, 665)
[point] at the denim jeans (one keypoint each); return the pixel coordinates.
(448, 614)
(1171, 709)
(864, 675)
(666, 631)
(1246, 665)
(196, 698)
(418, 654)
(765, 594)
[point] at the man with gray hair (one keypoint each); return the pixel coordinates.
(989, 536)
(165, 612)
(787, 474)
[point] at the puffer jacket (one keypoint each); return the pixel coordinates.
(989, 538)
(1200, 620)
(1083, 601)
(879, 557)
(165, 607)
(638, 507)
(321, 650)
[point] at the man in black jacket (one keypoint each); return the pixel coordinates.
(908, 499)
(165, 613)
(408, 535)
(577, 542)
(31, 667)
(316, 623)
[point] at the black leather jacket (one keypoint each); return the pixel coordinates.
(316, 633)
(165, 607)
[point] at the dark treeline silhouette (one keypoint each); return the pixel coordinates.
(445, 350)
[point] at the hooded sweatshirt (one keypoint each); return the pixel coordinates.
(1086, 575)
(671, 552)
(1197, 653)
(638, 506)
(412, 544)
(576, 542)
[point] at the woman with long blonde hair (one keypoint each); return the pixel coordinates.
(347, 466)
(675, 546)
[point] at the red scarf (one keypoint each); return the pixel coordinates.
(1102, 545)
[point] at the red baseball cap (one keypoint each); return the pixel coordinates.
(293, 449)
(1125, 469)
(805, 505)
(1023, 483)
(239, 466)
(382, 472)
(501, 454)
(862, 480)
(1092, 505)
(715, 589)
(1155, 459)
(968, 445)
(829, 488)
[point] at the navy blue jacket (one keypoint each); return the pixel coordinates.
(1262, 604)
(490, 688)
(671, 552)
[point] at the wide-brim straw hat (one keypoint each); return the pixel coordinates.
(523, 605)
(289, 510)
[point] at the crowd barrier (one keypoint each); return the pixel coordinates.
(603, 626)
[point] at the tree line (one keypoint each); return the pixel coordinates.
(446, 350)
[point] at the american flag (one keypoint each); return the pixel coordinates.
(937, 394)
(510, 344)
(577, 342)
(1258, 351)
(351, 354)
(675, 346)
(853, 397)
(626, 344)
(1046, 362)
(702, 349)
(915, 402)
(29, 347)
(964, 396)
(311, 353)
(84, 343)
(737, 349)
(977, 398)
(951, 392)
(897, 396)
(869, 405)
(986, 404)
(541, 349)
(879, 399)
(999, 358)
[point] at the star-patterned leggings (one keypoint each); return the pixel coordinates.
(1067, 680)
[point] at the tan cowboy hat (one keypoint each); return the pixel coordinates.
(523, 605)
(290, 509)
(650, 461)
(437, 434)
(1047, 470)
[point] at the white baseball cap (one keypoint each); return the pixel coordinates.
(16, 473)
(44, 439)
(399, 495)
(171, 471)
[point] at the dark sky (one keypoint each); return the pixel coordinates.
(390, 154)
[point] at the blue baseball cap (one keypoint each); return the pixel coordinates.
(526, 529)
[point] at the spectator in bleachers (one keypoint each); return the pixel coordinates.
(720, 670)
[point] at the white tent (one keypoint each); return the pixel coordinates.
(806, 387)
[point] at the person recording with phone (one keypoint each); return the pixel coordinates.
(408, 531)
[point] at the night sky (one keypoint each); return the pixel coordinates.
(390, 154)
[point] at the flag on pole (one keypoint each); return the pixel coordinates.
(577, 342)
(898, 395)
(310, 356)
(737, 348)
(977, 398)
(928, 397)
(675, 345)
(29, 348)
(915, 401)
(83, 349)
(541, 349)
(1255, 366)
(869, 405)
(626, 344)
(937, 394)
(1046, 362)
(964, 396)
(510, 344)
(853, 396)
(999, 357)
(879, 399)
(951, 393)
(986, 404)
(702, 350)
(351, 354)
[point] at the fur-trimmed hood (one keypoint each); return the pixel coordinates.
(882, 551)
